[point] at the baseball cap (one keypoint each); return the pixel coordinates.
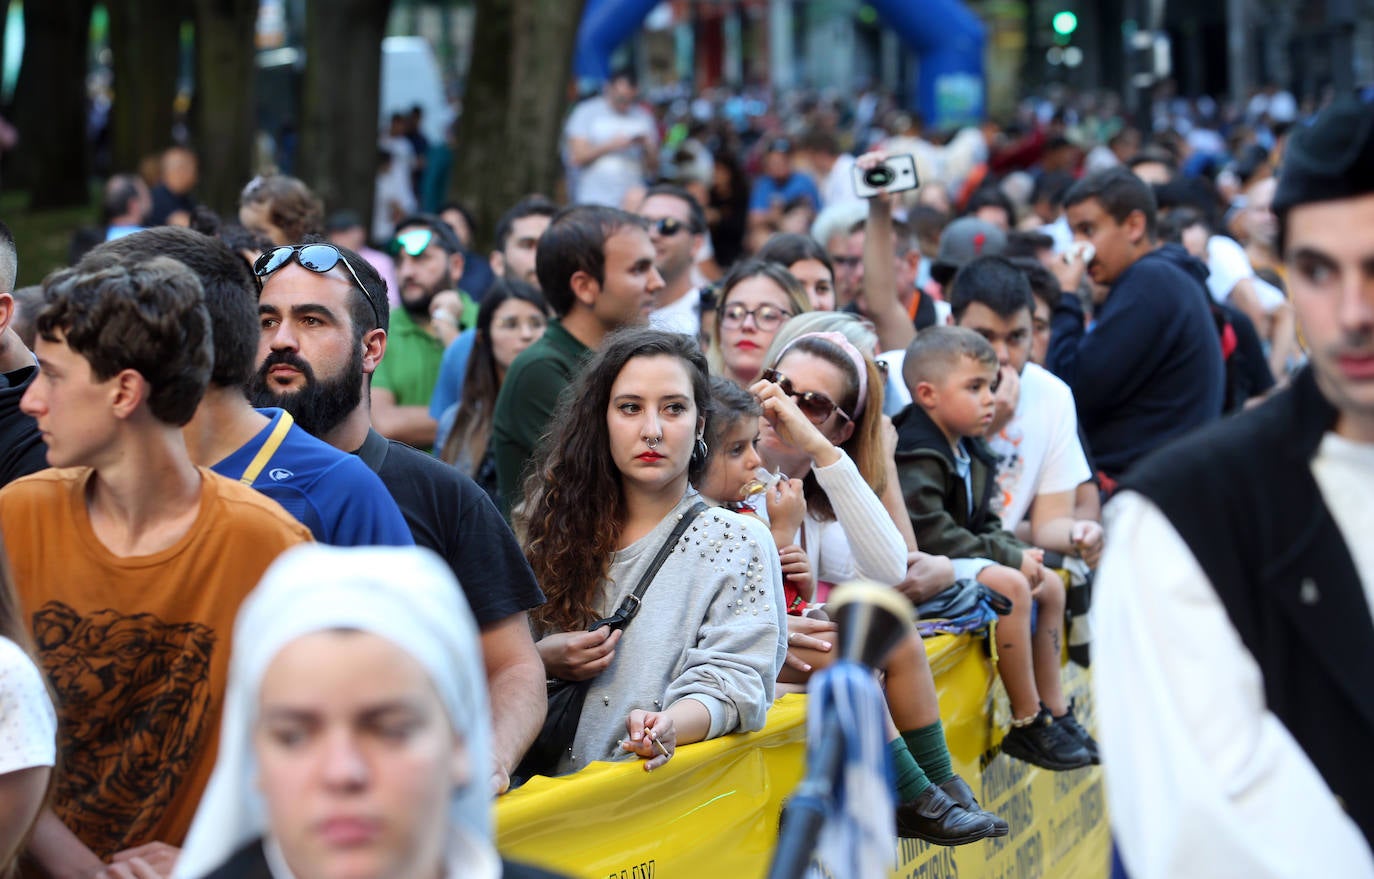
(964, 240)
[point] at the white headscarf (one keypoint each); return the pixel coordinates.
(406, 595)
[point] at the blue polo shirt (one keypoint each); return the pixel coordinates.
(798, 185)
(332, 493)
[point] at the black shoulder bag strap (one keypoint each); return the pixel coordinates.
(630, 606)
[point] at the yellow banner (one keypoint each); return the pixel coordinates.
(713, 810)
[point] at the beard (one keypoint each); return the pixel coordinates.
(321, 405)
(420, 307)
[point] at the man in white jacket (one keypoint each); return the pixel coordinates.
(1233, 629)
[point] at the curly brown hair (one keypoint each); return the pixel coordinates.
(569, 543)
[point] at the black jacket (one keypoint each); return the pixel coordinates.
(1242, 496)
(21, 446)
(1151, 368)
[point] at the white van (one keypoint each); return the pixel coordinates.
(410, 76)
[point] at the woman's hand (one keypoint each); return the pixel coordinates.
(796, 568)
(810, 633)
(653, 736)
(578, 656)
(889, 435)
(791, 426)
(786, 504)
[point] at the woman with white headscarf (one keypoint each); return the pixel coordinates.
(355, 715)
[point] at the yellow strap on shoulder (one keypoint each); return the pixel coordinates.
(269, 448)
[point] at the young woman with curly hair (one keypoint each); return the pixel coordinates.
(700, 658)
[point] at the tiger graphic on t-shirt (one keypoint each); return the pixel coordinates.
(135, 694)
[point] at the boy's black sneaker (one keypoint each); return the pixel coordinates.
(1046, 744)
(1075, 729)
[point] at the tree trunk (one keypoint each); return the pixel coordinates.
(224, 109)
(513, 110)
(50, 103)
(145, 37)
(343, 69)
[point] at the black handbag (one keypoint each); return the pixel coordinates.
(567, 697)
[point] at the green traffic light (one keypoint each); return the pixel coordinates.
(1065, 22)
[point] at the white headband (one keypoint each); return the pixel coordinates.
(840, 341)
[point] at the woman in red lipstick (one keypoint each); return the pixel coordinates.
(699, 658)
(756, 298)
(355, 729)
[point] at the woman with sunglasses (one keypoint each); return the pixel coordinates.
(822, 407)
(806, 261)
(700, 658)
(756, 298)
(512, 316)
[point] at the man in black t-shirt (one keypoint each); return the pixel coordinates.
(323, 334)
(21, 446)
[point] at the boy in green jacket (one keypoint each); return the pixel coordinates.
(948, 479)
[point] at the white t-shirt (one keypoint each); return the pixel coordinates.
(606, 180)
(682, 316)
(1227, 266)
(1038, 451)
(390, 191)
(28, 723)
(838, 185)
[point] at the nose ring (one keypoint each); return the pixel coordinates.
(652, 441)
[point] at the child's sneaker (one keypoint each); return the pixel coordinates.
(1047, 744)
(1075, 729)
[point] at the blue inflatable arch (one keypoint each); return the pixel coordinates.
(948, 38)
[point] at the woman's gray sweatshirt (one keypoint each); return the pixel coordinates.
(711, 628)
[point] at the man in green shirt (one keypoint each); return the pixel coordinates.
(429, 261)
(596, 268)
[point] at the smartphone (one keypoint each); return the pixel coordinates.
(897, 174)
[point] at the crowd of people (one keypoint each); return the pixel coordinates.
(641, 439)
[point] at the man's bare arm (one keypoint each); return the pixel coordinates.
(519, 700)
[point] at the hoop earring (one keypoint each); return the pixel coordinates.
(699, 453)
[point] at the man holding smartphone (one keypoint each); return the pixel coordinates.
(612, 143)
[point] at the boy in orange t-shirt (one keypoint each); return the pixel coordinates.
(130, 561)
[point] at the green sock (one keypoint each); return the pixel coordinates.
(911, 781)
(927, 746)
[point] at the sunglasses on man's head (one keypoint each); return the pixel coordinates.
(318, 258)
(411, 241)
(817, 407)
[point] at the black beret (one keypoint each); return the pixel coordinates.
(1330, 158)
